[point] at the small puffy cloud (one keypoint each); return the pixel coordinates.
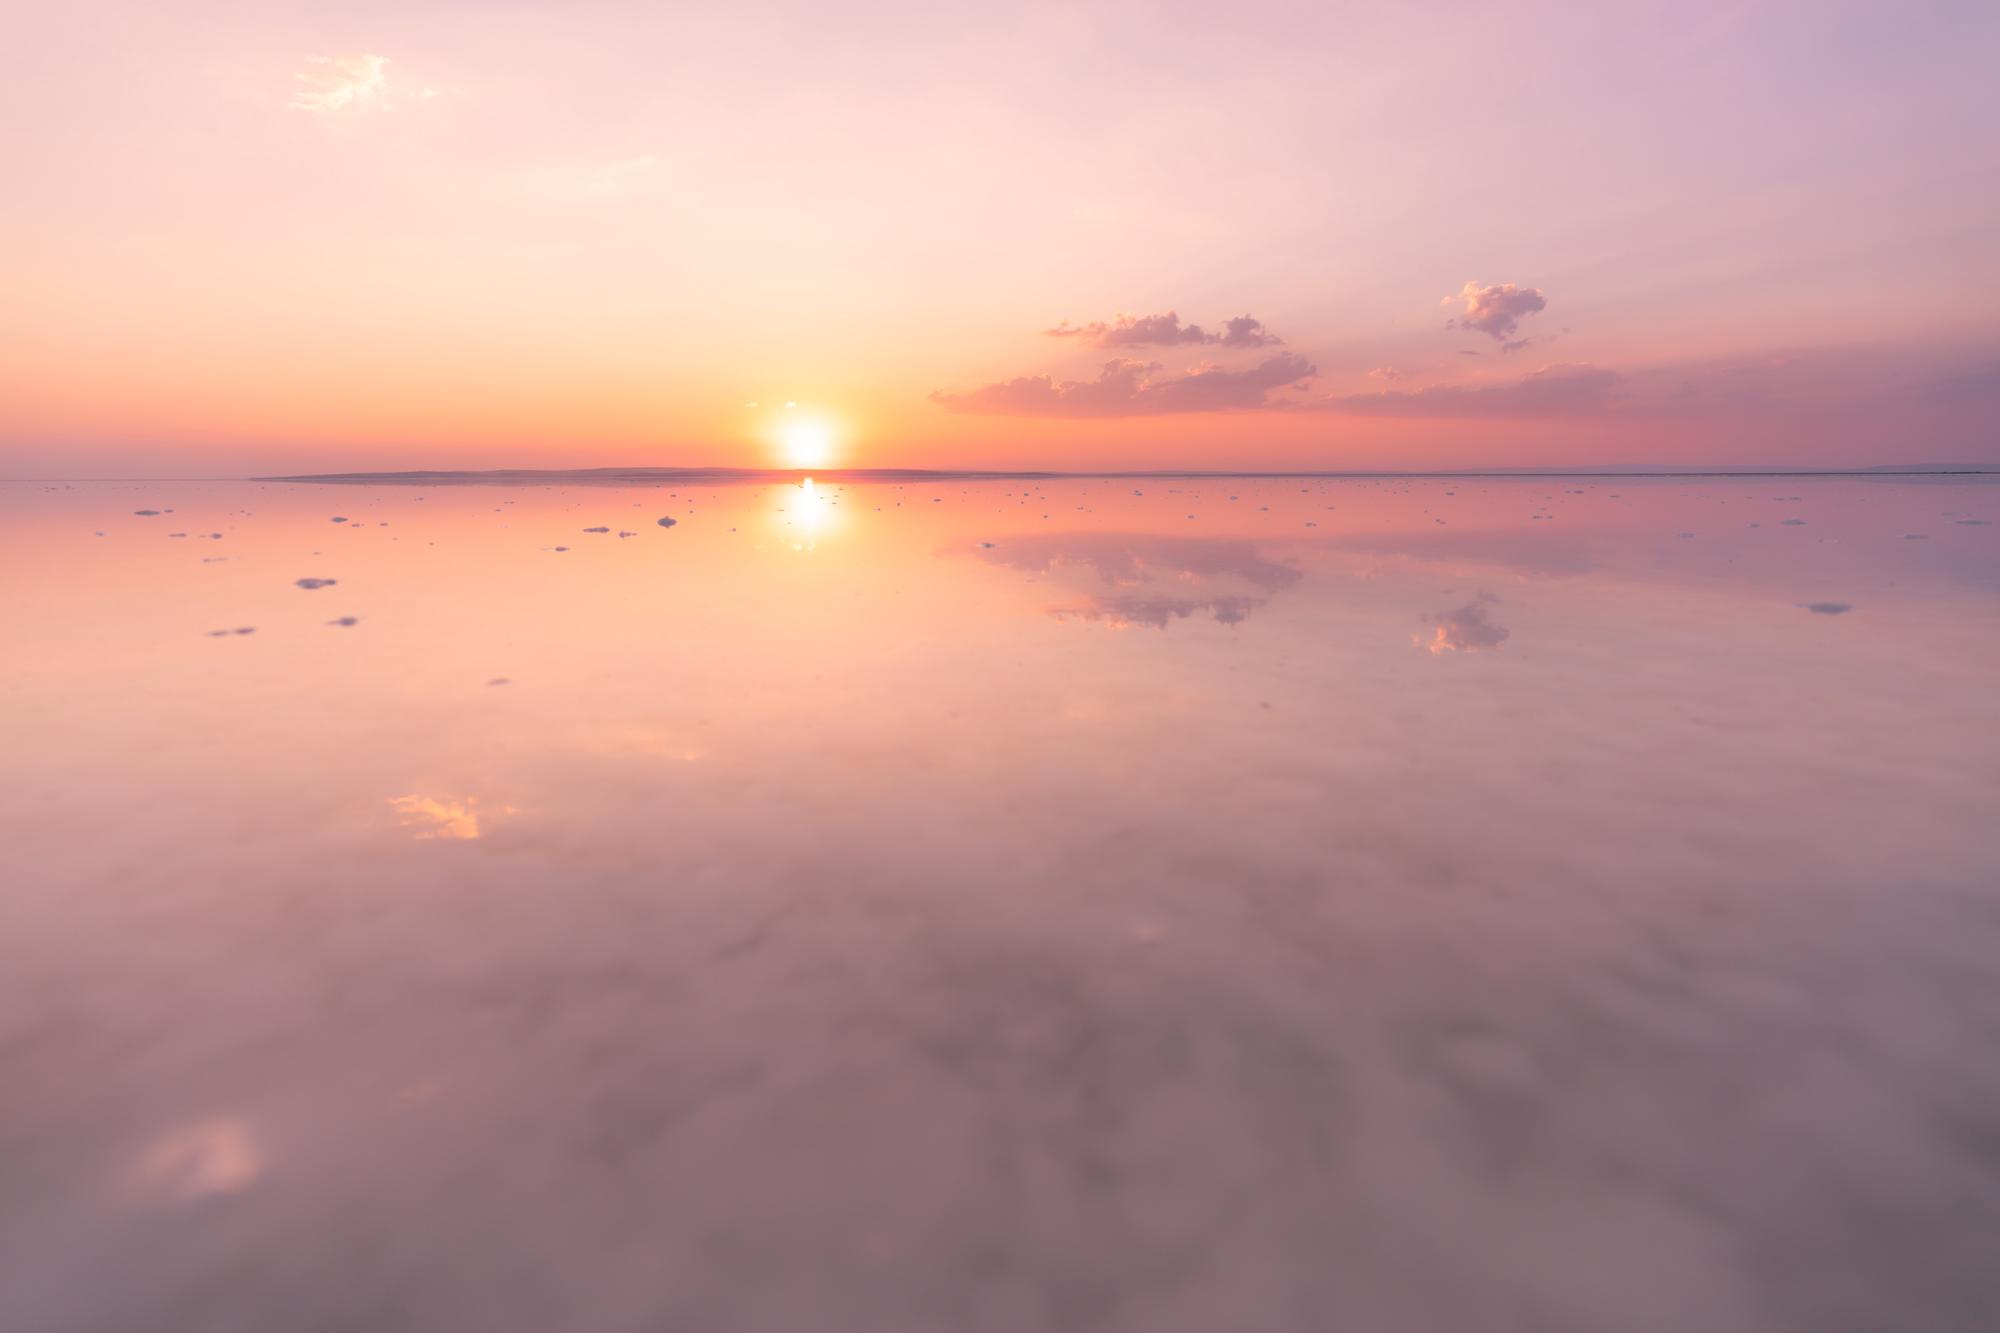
(1243, 331)
(1165, 331)
(1469, 629)
(1561, 390)
(1497, 311)
(352, 85)
(1126, 388)
(1386, 374)
(1133, 331)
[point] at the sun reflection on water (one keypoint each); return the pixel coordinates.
(807, 513)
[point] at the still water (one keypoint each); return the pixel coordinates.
(1149, 905)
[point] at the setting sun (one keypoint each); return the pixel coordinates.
(806, 442)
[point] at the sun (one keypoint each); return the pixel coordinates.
(807, 442)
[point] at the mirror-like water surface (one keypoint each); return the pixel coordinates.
(1527, 904)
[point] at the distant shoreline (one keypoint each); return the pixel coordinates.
(657, 476)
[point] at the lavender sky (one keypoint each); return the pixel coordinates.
(259, 237)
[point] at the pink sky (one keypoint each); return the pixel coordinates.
(259, 237)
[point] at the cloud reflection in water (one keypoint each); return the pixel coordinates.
(1469, 629)
(1128, 579)
(438, 817)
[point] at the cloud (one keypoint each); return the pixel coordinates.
(352, 85)
(1126, 388)
(1125, 560)
(1385, 374)
(1112, 393)
(1122, 612)
(1127, 580)
(1244, 331)
(1134, 331)
(1466, 630)
(212, 1157)
(1165, 331)
(1561, 390)
(1497, 311)
(436, 816)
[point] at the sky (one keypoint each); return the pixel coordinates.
(260, 237)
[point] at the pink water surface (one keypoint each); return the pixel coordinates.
(1158, 904)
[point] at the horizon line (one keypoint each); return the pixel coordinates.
(643, 475)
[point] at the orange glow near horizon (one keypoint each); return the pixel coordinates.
(345, 249)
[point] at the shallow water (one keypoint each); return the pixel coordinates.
(1529, 904)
